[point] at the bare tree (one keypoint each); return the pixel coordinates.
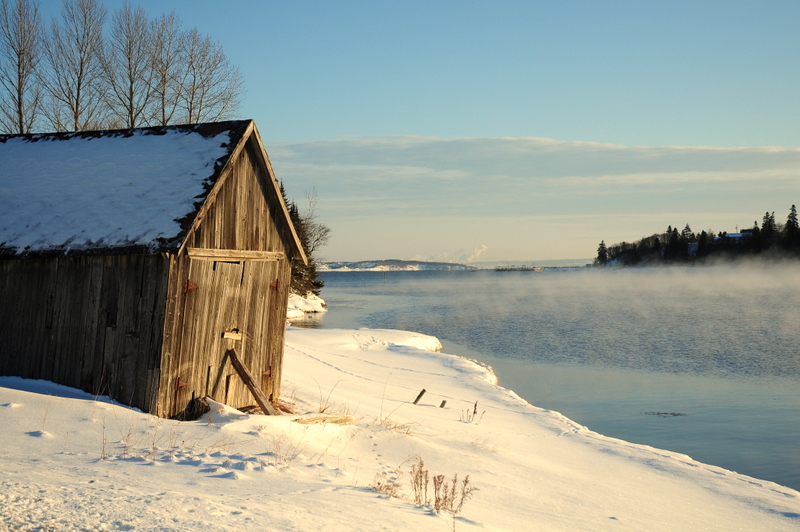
(168, 70)
(144, 72)
(316, 233)
(128, 66)
(212, 87)
(74, 81)
(20, 49)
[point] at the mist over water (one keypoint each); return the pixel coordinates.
(716, 321)
(702, 361)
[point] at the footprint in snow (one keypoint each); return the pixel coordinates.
(39, 434)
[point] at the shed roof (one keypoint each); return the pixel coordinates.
(103, 191)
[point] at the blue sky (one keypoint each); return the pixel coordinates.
(529, 130)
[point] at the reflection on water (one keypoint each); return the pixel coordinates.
(606, 347)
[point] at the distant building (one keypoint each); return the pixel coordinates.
(734, 237)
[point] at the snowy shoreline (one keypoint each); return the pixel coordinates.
(299, 307)
(72, 462)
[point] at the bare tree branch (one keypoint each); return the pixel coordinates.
(212, 86)
(142, 72)
(128, 66)
(20, 52)
(168, 70)
(74, 81)
(316, 233)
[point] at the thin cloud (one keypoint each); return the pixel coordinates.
(535, 157)
(432, 194)
(789, 176)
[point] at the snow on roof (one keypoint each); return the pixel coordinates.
(732, 236)
(110, 189)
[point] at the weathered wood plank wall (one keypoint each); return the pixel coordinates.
(91, 322)
(233, 293)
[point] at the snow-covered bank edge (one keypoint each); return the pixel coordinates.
(76, 463)
(301, 306)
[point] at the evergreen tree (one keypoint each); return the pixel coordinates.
(676, 246)
(602, 254)
(791, 221)
(755, 242)
(768, 223)
(673, 249)
(703, 244)
(655, 251)
(687, 235)
(769, 230)
(791, 231)
(305, 277)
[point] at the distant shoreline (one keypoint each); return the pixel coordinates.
(415, 265)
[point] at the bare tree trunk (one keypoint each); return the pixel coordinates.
(128, 66)
(168, 71)
(20, 47)
(75, 82)
(212, 87)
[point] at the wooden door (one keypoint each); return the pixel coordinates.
(211, 309)
(229, 290)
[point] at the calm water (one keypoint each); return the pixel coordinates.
(702, 361)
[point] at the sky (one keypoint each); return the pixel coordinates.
(517, 130)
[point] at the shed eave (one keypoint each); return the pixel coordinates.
(297, 244)
(94, 251)
(220, 177)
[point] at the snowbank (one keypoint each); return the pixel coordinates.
(71, 462)
(299, 306)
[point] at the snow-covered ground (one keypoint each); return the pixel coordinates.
(74, 462)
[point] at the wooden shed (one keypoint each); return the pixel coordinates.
(131, 260)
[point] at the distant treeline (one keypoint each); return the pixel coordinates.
(771, 240)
